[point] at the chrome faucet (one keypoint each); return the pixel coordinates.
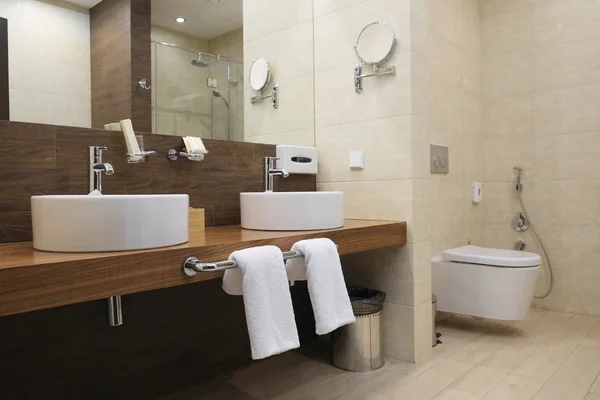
(271, 171)
(97, 167)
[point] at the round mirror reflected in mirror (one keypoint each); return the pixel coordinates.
(259, 74)
(375, 43)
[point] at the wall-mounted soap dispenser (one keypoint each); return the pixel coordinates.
(297, 159)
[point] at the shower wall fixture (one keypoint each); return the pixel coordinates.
(374, 46)
(258, 78)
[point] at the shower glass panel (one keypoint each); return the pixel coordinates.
(184, 104)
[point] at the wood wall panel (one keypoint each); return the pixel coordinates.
(4, 94)
(38, 159)
(120, 57)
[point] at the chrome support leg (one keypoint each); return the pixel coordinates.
(115, 313)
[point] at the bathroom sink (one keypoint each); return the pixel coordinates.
(292, 211)
(95, 222)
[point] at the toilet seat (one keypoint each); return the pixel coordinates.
(492, 257)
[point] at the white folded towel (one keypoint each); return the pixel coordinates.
(262, 280)
(321, 267)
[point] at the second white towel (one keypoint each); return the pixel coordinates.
(262, 279)
(322, 268)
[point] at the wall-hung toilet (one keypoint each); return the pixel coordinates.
(483, 282)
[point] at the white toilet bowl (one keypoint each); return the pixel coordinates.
(487, 283)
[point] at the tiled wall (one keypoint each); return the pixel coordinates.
(541, 92)
(284, 36)
(49, 62)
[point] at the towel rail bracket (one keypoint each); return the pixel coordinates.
(192, 265)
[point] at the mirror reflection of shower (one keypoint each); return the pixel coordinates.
(195, 93)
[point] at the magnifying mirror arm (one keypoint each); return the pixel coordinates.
(273, 95)
(377, 71)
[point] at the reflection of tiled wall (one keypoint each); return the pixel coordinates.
(541, 93)
(49, 62)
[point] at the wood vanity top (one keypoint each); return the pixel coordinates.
(33, 280)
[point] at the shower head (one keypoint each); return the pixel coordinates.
(217, 94)
(520, 171)
(199, 62)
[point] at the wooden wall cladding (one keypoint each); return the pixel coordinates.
(171, 339)
(120, 58)
(4, 94)
(38, 159)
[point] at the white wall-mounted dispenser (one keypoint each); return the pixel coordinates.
(297, 159)
(477, 192)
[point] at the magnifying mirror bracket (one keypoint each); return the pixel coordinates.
(274, 95)
(377, 71)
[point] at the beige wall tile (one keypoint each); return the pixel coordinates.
(230, 44)
(322, 7)
(386, 200)
(564, 157)
(419, 27)
(592, 396)
(507, 75)
(596, 387)
(305, 137)
(387, 96)
(471, 72)
(502, 155)
(573, 203)
(506, 32)
(507, 117)
(281, 15)
(571, 110)
(567, 64)
(297, 94)
(449, 239)
(43, 108)
(423, 329)
(572, 292)
(420, 77)
(420, 147)
(502, 236)
(398, 323)
(446, 109)
(336, 33)
(392, 160)
(446, 19)
(574, 377)
(446, 65)
(593, 340)
(573, 248)
(556, 21)
(289, 52)
(502, 202)
(471, 26)
(447, 205)
(420, 229)
(489, 7)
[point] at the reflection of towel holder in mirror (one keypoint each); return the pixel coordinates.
(377, 70)
(258, 79)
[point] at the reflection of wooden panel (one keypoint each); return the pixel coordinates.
(33, 280)
(4, 102)
(40, 159)
(120, 57)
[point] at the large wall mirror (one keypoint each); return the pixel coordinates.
(194, 85)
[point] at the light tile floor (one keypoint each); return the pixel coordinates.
(548, 356)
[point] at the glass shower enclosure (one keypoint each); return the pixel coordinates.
(195, 93)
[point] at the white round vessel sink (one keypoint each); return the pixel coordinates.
(292, 211)
(96, 223)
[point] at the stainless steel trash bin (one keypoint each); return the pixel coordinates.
(357, 347)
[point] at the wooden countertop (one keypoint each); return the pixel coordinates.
(33, 280)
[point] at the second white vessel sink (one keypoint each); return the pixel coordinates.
(292, 211)
(96, 223)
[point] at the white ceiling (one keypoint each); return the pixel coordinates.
(204, 19)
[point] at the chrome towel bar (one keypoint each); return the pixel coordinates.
(191, 265)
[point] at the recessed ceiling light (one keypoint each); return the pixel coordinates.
(180, 20)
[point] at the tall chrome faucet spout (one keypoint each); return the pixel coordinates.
(271, 171)
(97, 167)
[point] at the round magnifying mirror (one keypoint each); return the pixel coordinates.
(259, 74)
(375, 43)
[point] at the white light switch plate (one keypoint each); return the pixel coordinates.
(356, 159)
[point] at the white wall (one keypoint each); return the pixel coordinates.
(49, 62)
